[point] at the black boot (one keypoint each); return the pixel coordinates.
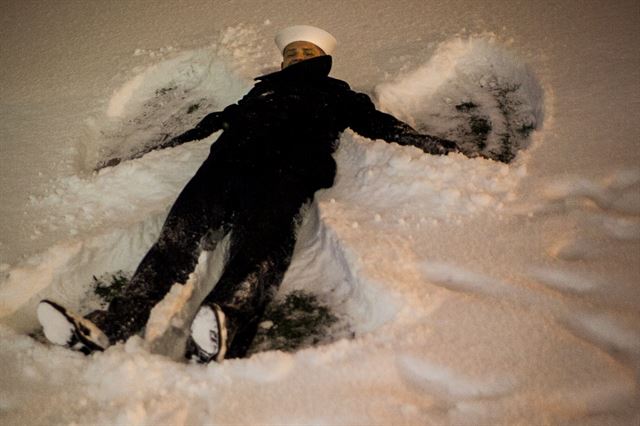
(208, 340)
(66, 328)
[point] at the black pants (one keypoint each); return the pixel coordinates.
(260, 210)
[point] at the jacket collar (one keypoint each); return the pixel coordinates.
(310, 69)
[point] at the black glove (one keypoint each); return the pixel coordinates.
(429, 144)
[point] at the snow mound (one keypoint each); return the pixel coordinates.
(174, 92)
(81, 203)
(419, 187)
(472, 90)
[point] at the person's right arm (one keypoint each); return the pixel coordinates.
(208, 125)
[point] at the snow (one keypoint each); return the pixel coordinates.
(475, 292)
(59, 329)
(204, 325)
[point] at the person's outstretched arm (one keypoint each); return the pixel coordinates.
(209, 124)
(367, 121)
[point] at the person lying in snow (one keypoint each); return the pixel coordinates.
(274, 154)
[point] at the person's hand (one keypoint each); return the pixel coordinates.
(430, 144)
(447, 146)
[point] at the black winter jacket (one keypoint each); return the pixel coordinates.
(287, 127)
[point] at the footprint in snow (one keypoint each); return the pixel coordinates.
(613, 201)
(448, 385)
(618, 193)
(611, 333)
(565, 280)
(455, 278)
(573, 249)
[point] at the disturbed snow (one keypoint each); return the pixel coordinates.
(462, 312)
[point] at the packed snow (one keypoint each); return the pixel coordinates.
(468, 291)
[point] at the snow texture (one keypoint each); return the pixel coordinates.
(475, 292)
(57, 329)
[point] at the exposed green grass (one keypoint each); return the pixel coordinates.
(108, 286)
(297, 321)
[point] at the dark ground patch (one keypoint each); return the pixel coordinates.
(297, 321)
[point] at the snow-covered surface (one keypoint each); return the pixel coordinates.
(478, 293)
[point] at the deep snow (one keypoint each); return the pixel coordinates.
(478, 293)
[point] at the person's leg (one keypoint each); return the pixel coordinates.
(260, 254)
(170, 260)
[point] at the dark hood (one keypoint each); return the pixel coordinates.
(309, 69)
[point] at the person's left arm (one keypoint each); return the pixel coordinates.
(367, 121)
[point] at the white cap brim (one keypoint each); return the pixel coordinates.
(317, 36)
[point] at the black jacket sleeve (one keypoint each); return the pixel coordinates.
(209, 124)
(367, 121)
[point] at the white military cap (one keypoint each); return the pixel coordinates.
(320, 38)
